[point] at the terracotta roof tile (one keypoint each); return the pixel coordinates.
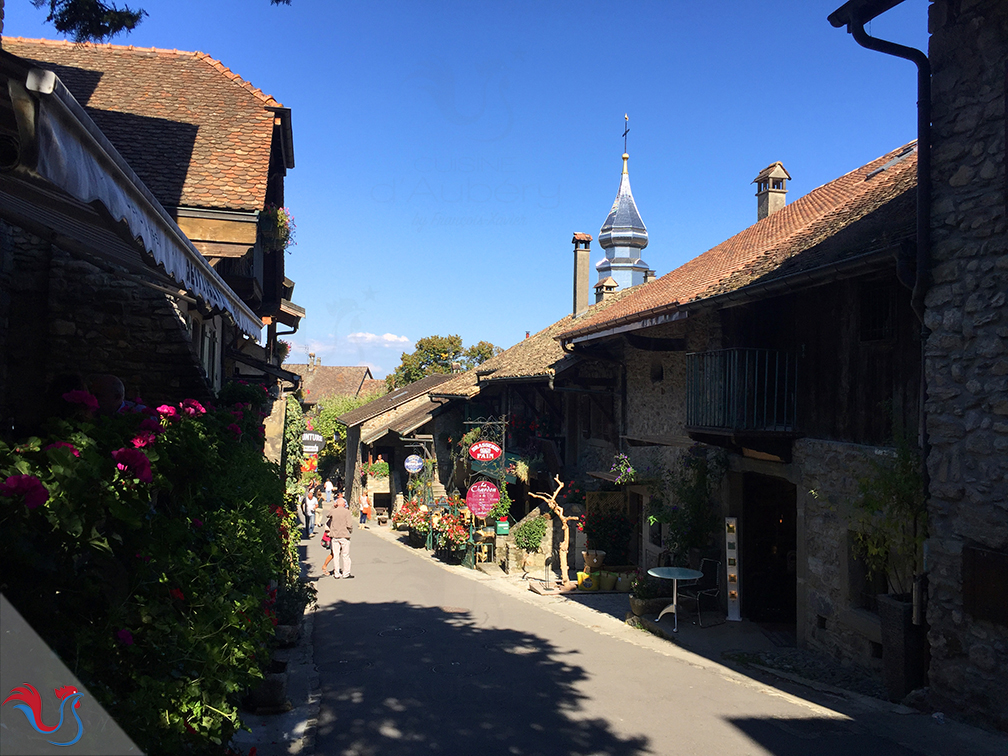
(795, 228)
(195, 132)
(324, 381)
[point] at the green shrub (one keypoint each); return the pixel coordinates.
(529, 534)
(145, 548)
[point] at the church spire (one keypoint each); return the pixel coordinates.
(623, 234)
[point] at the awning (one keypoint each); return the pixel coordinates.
(266, 367)
(70, 153)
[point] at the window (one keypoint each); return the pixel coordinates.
(985, 584)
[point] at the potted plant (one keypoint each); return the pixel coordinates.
(291, 601)
(890, 526)
(528, 537)
(276, 226)
(646, 594)
(683, 498)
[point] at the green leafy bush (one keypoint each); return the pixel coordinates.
(610, 532)
(145, 549)
(529, 534)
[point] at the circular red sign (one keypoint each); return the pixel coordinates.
(481, 497)
(485, 451)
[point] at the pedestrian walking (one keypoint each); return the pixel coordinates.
(365, 508)
(311, 504)
(328, 491)
(340, 530)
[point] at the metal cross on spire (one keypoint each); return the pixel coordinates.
(626, 130)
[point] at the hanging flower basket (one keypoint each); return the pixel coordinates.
(276, 227)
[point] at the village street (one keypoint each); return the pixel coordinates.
(418, 657)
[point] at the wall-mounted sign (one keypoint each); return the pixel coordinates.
(413, 463)
(481, 497)
(485, 451)
(312, 442)
(732, 551)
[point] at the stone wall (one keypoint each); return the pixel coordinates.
(60, 314)
(966, 354)
(827, 475)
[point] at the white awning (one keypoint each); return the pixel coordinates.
(76, 157)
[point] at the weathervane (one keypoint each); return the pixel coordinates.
(626, 130)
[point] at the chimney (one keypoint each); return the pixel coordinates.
(311, 361)
(771, 186)
(582, 267)
(605, 289)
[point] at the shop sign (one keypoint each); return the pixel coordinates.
(485, 451)
(312, 442)
(481, 497)
(413, 463)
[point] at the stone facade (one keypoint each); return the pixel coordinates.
(60, 314)
(966, 353)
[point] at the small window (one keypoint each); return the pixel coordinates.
(985, 584)
(657, 371)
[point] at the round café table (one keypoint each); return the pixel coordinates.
(675, 574)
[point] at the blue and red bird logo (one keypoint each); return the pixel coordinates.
(30, 704)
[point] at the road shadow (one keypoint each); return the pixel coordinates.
(819, 735)
(398, 678)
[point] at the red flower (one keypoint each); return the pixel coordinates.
(235, 429)
(166, 410)
(63, 445)
(85, 398)
(151, 424)
(175, 593)
(197, 522)
(125, 637)
(135, 462)
(192, 408)
(35, 494)
(144, 439)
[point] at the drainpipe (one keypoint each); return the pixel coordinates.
(855, 14)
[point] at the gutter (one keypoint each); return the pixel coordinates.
(855, 14)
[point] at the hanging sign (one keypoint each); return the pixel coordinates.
(413, 463)
(312, 442)
(485, 451)
(481, 497)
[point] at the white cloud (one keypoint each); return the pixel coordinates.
(363, 338)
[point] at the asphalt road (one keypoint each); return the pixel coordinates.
(417, 658)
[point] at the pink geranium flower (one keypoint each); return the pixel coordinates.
(175, 593)
(151, 424)
(235, 429)
(144, 438)
(192, 408)
(84, 398)
(197, 522)
(35, 494)
(125, 637)
(63, 445)
(166, 410)
(134, 462)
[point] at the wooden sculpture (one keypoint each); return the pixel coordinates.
(557, 510)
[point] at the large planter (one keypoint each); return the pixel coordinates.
(417, 539)
(593, 559)
(287, 636)
(905, 652)
(270, 696)
(641, 607)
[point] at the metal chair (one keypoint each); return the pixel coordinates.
(708, 585)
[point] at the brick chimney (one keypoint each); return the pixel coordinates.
(771, 186)
(582, 270)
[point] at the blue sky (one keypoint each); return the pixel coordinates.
(446, 151)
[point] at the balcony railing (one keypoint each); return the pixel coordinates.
(742, 390)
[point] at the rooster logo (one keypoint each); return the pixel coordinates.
(31, 707)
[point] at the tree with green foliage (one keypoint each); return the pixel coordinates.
(435, 355)
(94, 20)
(333, 456)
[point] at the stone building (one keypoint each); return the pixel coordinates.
(791, 347)
(319, 382)
(967, 359)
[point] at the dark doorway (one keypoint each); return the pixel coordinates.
(769, 544)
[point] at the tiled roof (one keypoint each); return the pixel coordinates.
(323, 381)
(581, 236)
(540, 355)
(768, 244)
(196, 133)
(393, 399)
